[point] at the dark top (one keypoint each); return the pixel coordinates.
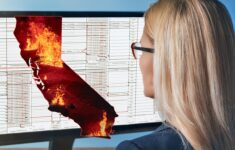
(165, 137)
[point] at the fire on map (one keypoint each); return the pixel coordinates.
(67, 93)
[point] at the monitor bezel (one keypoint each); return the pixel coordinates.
(72, 13)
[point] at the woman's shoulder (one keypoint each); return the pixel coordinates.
(163, 138)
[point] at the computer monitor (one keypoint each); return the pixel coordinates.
(96, 45)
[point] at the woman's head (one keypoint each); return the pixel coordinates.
(194, 78)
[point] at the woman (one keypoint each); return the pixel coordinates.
(191, 74)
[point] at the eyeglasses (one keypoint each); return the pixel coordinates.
(137, 50)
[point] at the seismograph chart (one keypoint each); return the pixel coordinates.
(67, 93)
(98, 50)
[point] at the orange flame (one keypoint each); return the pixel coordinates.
(45, 77)
(47, 44)
(58, 99)
(103, 124)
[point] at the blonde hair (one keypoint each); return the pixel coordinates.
(194, 69)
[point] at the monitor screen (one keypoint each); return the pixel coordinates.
(98, 50)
